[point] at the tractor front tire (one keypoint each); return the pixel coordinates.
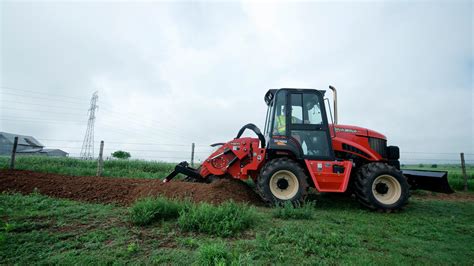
(381, 187)
(282, 180)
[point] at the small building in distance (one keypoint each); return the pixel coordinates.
(54, 152)
(26, 145)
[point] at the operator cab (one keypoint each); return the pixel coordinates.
(296, 122)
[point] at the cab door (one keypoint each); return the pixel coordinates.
(307, 124)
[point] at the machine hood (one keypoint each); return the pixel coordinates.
(355, 130)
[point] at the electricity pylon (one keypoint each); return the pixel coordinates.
(87, 150)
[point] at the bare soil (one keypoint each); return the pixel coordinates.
(123, 191)
(458, 196)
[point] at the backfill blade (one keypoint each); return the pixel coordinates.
(436, 181)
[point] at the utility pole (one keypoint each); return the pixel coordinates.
(192, 154)
(463, 167)
(100, 162)
(87, 150)
(12, 159)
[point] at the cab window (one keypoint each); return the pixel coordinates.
(279, 121)
(305, 109)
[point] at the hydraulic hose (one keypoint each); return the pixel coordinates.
(256, 130)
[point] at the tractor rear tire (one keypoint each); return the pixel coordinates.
(381, 187)
(282, 180)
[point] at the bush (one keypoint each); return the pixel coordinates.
(148, 210)
(434, 166)
(224, 220)
(121, 155)
(288, 211)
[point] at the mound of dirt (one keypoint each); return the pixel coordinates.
(123, 191)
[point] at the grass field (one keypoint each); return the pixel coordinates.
(331, 230)
(76, 167)
(43, 230)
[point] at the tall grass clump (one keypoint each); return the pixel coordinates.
(218, 253)
(148, 210)
(227, 219)
(288, 211)
(214, 254)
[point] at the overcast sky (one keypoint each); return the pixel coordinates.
(181, 72)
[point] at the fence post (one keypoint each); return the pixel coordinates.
(12, 159)
(100, 162)
(192, 154)
(463, 167)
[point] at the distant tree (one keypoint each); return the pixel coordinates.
(434, 166)
(421, 165)
(121, 155)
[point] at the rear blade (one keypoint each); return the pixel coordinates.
(436, 181)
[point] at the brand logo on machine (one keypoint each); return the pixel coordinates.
(345, 130)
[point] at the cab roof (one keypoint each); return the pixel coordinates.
(270, 95)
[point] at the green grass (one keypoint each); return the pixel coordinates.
(288, 211)
(225, 220)
(214, 254)
(43, 230)
(148, 210)
(77, 167)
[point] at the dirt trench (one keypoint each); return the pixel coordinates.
(123, 191)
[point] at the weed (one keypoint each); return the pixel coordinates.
(148, 210)
(132, 248)
(224, 220)
(288, 211)
(7, 227)
(188, 242)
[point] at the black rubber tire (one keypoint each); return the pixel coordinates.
(364, 179)
(273, 166)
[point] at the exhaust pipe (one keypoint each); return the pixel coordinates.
(335, 103)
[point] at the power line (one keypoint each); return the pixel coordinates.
(138, 150)
(40, 98)
(131, 143)
(42, 93)
(421, 152)
(140, 122)
(41, 121)
(36, 104)
(39, 118)
(36, 110)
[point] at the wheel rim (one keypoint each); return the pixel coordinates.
(386, 189)
(284, 184)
